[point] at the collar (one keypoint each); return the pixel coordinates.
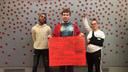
(66, 22)
(41, 25)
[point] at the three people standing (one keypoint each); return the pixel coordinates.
(41, 32)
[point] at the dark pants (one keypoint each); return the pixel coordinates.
(44, 54)
(94, 59)
(66, 68)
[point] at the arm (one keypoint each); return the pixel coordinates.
(86, 24)
(56, 30)
(76, 29)
(49, 33)
(103, 35)
(33, 35)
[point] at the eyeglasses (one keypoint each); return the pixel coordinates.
(93, 23)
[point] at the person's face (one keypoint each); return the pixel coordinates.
(65, 17)
(94, 25)
(42, 19)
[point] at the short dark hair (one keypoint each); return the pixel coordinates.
(94, 19)
(66, 10)
(40, 14)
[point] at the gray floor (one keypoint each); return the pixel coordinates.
(76, 69)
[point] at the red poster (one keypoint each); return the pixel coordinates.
(67, 51)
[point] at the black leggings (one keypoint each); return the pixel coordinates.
(94, 59)
(44, 55)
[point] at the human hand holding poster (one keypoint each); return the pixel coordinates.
(67, 51)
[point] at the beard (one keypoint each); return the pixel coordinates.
(41, 21)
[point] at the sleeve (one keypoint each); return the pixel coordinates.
(50, 31)
(76, 29)
(103, 35)
(89, 36)
(33, 34)
(56, 31)
(86, 24)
